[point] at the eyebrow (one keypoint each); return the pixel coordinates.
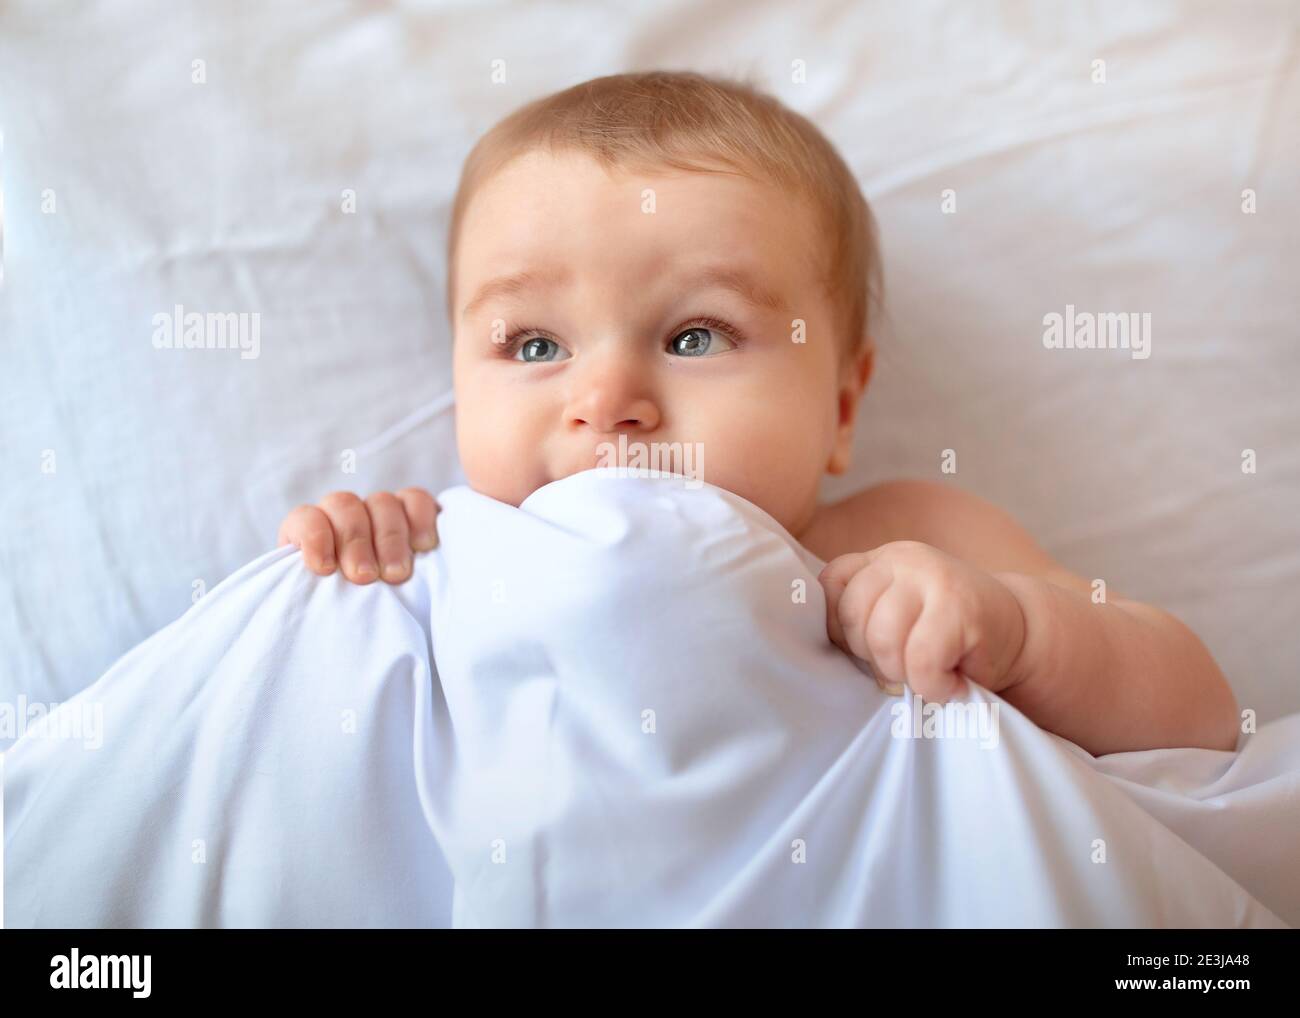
(722, 277)
(513, 284)
(751, 290)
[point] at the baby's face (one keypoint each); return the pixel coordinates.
(664, 326)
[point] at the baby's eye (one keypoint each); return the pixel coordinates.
(699, 341)
(539, 350)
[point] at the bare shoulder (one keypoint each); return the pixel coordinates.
(954, 521)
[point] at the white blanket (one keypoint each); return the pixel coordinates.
(615, 704)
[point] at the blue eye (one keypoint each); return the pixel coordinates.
(538, 350)
(698, 341)
(706, 338)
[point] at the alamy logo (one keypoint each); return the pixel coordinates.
(179, 329)
(659, 459)
(954, 719)
(1083, 330)
(101, 972)
(80, 720)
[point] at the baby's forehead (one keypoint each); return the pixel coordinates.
(575, 183)
(544, 208)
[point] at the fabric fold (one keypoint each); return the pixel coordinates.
(613, 705)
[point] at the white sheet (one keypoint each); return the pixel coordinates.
(249, 765)
(500, 740)
(175, 468)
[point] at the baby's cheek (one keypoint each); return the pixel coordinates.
(788, 500)
(788, 462)
(490, 466)
(502, 478)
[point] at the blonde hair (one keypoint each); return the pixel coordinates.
(691, 121)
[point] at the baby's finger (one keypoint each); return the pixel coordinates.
(887, 629)
(392, 536)
(421, 513)
(837, 573)
(834, 577)
(309, 529)
(847, 611)
(352, 540)
(933, 652)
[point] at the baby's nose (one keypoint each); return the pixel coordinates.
(605, 419)
(611, 406)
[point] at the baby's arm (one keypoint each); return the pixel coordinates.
(371, 539)
(954, 581)
(1116, 676)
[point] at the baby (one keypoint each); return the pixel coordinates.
(604, 236)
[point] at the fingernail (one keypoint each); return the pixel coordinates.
(365, 571)
(892, 688)
(327, 562)
(393, 571)
(423, 542)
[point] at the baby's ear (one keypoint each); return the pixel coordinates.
(854, 376)
(863, 363)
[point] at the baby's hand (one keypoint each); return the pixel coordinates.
(923, 617)
(342, 528)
